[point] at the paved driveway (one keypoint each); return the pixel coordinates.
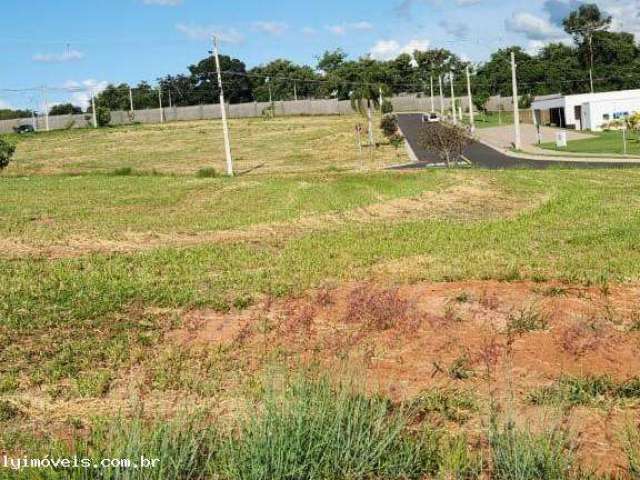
(486, 157)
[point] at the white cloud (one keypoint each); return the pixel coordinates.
(4, 105)
(534, 27)
(81, 91)
(164, 3)
(204, 32)
(343, 28)
(271, 28)
(390, 49)
(67, 56)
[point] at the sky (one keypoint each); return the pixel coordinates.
(86, 44)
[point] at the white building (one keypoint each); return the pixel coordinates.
(587, 111)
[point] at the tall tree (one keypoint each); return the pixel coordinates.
(582, 24)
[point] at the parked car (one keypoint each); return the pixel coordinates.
(430, 118)
(20, 129)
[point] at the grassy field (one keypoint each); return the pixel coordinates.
(279, 145)
(603, 143)
(155, 290)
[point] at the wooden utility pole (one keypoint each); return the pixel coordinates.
(516, 108)
(130, 99)
(160, 105)
(223, 111)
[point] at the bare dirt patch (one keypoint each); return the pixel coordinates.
(415, 338)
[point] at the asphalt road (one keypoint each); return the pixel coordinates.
(485, 157)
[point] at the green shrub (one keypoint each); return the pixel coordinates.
(103, 115)
(208, 172)
(6, 152)
(520, 454)
(389, 125)
(387, 107)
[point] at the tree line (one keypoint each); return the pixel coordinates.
(610, 60)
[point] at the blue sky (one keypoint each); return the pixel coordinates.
(88, 43)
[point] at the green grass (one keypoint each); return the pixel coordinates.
(42, 209)
(285, 144)
(585, 232)
(301, 426)
(491, 119)
(603, 143)
(590, 391)
(522, 454)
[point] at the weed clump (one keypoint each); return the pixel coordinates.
(591, 390)
(123, 172)
(526, 320)
(379, 309)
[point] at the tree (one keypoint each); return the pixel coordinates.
(6, 152)
(582, 25)
(65, 109)
(103, 116)
(286, 79)
(237, 87)
(8, 114)
(389, 125)
(447, 141)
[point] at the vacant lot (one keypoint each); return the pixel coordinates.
(460, 297)
(280, 145)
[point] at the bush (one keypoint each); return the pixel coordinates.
(387, 107)
(389, 125)
(448, 141)
(103, 115)
(6, 152)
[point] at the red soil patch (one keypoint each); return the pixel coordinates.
(408, 339)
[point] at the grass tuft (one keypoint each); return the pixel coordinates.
(590, 390)
(521, 454)
(309, 428)
(207, 172)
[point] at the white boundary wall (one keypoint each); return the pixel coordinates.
(242, 110)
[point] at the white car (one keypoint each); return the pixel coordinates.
(430, 118)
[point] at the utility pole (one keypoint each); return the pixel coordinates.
(432, 104)
(453, 98)
(160, 104)
(381, 99)
(170, 105)
(295, 91)
(223, 111)
(46, 108)
(441, 97)
(516, 107)
(131, 99)
(471, 115)
(93, 110)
